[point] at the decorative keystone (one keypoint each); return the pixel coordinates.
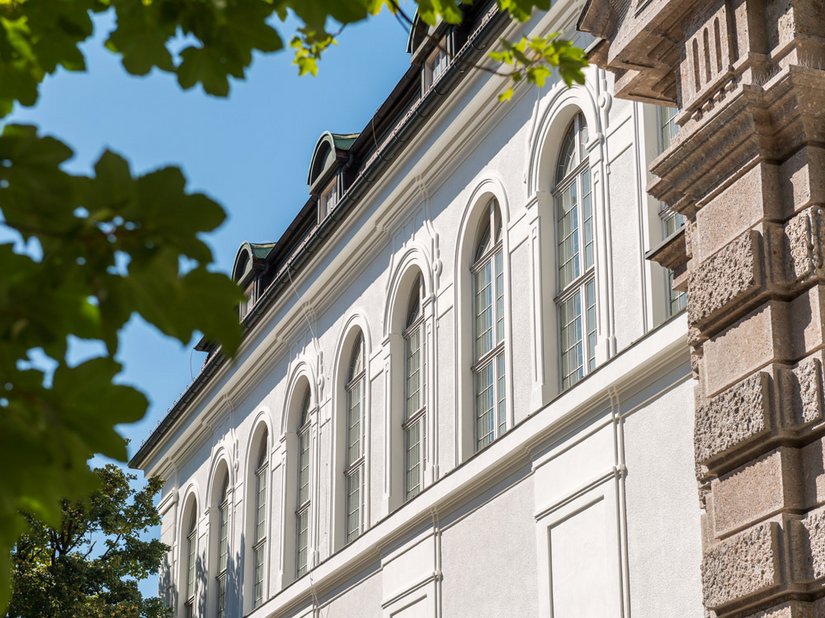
(737, 415)
(742, 566)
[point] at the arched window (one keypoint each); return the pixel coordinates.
(303, 495)
(190, 552)
(488, 330)
(259, 529)
(354, 456)
(221, 545)
(576, 298)
(415, 384)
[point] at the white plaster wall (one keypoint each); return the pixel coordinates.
(664, 547)
(488, 555)
(418, 215)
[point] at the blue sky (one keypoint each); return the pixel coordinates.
(250, 152)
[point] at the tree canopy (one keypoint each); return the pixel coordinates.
(89, 251)
(89, 565)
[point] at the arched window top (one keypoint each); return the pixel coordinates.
(191, 519)
(417, 294)
(263, 449)
(356, 365)
(305, 407)
(489, 233)
(573, 149)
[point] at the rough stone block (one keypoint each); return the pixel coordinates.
(742, 566)
(737, 415)
(802, 185)
(790, 609)
(813, 540)
(756, 340)
(802, 392)
(807, 321)
(757, 490)
(725, 278)
(813, 471)
(799, 253)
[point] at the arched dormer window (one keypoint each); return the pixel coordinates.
(258, 506)
(488, 333)
(415, 385)
(189, 553)
(354, 455)
(576, 286)
(303, 497)
(220, 544)
(250, 261)
(325, 178)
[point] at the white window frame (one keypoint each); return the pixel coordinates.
(329, 197)
(415, 418)
(191, 558)
(436, 64)
(223, 556)
(354, 467)
(302, 508)
(577, 289)
(671, 221)
(259, 528)
(491, 359)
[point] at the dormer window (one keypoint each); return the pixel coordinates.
(436, 64)
(328, 198)
(250, 262)
(249, 300)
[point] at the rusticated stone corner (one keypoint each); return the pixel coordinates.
(807, 374)
(741, 566)
(732, 417)
(799, 259)
(813, 532)
(802, 393)
(724, 278)
(790, 609)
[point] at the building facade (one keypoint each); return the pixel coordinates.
(463, 390)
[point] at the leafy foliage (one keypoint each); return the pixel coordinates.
(90, 251)
(90, 563)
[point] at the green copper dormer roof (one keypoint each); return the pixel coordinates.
(250, 257)
(330, 149)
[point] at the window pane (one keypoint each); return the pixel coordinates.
(413, 380)
(412, 453)
(302, 544)
(502, 399)
(485, 405)
(260, 504)
(587, 214)
(220, 596)
(190, 564)
(590, 293)
(223, 544)
(353, 504)
(499, 297)
(570, 315)
(303, 468)
(260, 552)
(568, 227)
(483, 280)
(354, 423)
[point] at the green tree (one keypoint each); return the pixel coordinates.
(89, 251)
(90, 564)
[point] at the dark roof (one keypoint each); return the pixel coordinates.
(261, 250)
(343, 141)
(383, 139)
